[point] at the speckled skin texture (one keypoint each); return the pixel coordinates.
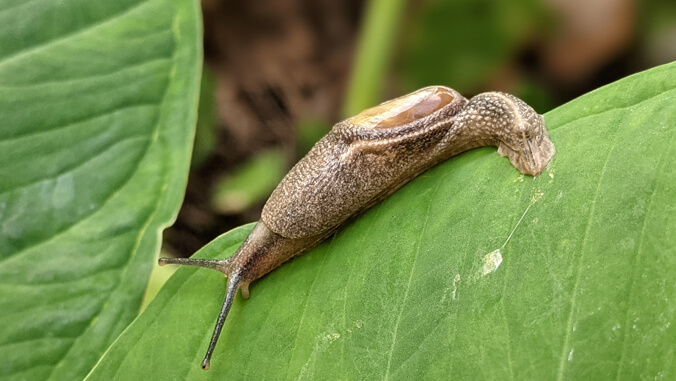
(368, 157)
(352, 168)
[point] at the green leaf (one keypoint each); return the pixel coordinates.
(98, 102)
(250, 183)
(582, 286)
(376, 41)
(308, 134)
(158, 277)
(463, 42)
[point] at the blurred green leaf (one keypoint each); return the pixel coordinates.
(309, 133)
(251, 183)
(657, 31)
(374, 49)
(461, 43)
(533, 94)
(658, 15)
(98, 104)
(470, 270)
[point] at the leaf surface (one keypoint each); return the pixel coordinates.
(98, 103)
(470, 271)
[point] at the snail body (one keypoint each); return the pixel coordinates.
(366, 158)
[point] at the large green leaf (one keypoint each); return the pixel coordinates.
(98, 102)
(582, 286)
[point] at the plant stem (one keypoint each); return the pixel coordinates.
(376, 40)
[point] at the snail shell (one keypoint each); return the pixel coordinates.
(365, 159)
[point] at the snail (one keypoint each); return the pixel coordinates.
(364, 159)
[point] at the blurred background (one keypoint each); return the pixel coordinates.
(279, 73)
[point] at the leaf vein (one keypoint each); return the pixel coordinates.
(87, 78)
(573, 299)
(78, 121)
(46, 44)
(307, 299)
(410, 281)
(637, 260)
